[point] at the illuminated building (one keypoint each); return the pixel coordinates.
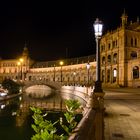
(119, 58)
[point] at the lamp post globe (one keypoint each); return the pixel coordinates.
(98, 27)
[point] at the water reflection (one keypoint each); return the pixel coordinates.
(15, 115)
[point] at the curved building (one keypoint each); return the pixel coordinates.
(120, 62)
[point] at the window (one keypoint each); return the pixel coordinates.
(113, 44)
(135, 72)
(135, 42)
(116, 43)
(133, 55)
(108, 75)
(131, 41)
(114, 75)
(126, 40)
(103, 60)
(102, 48)
(68, 79)
(79, 79)
(109, 58)
(103, 76)
(115, 58)
(109, 46)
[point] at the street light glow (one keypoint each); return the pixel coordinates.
(98, 27)
(61, 63)
(21, 60)
(18, 63)
(88, 66)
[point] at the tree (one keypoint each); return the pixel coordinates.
(11, 86)
(72, 107)
(46, 130)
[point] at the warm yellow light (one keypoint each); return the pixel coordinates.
(61, 63)
(18, 63)
(21, 60)
(74, 73)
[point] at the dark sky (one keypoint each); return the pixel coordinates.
(51, 27)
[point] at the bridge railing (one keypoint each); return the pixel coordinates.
(91, 127)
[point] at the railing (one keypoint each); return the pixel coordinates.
(91, 127)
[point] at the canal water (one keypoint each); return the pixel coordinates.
(16, 117)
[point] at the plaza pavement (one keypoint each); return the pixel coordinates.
(122, 114)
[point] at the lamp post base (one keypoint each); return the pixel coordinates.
(98, 86)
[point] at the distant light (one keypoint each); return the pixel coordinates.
(115, 73)
(20, 90)
(21, 105)
(18, 63)
(2, 106)
(61, 63)
(14, 113)
(74, 73)
(20, 98)
(88, 66)
(21, 60)
(3, 94)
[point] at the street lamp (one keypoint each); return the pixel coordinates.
(61, 64)
(21, 63)
(74, 73)
(98, 26)
(88, 67)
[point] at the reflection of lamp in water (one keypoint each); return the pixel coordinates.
(14, 113)
(20, 98)
(2, 106)
(21, 63)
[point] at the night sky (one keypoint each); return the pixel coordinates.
(57, 29)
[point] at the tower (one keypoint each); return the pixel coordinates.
(25, 56)
(124, 18)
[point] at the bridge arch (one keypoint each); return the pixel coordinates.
(53, 85)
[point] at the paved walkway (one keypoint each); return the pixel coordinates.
(122, 115)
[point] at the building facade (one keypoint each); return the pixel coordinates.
(119, 58)
(120, 55)
(75, 71)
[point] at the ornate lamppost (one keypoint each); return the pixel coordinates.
(98, 26)
(61, 64)
(74, 74)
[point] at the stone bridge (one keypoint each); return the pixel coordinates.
(51, 84)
